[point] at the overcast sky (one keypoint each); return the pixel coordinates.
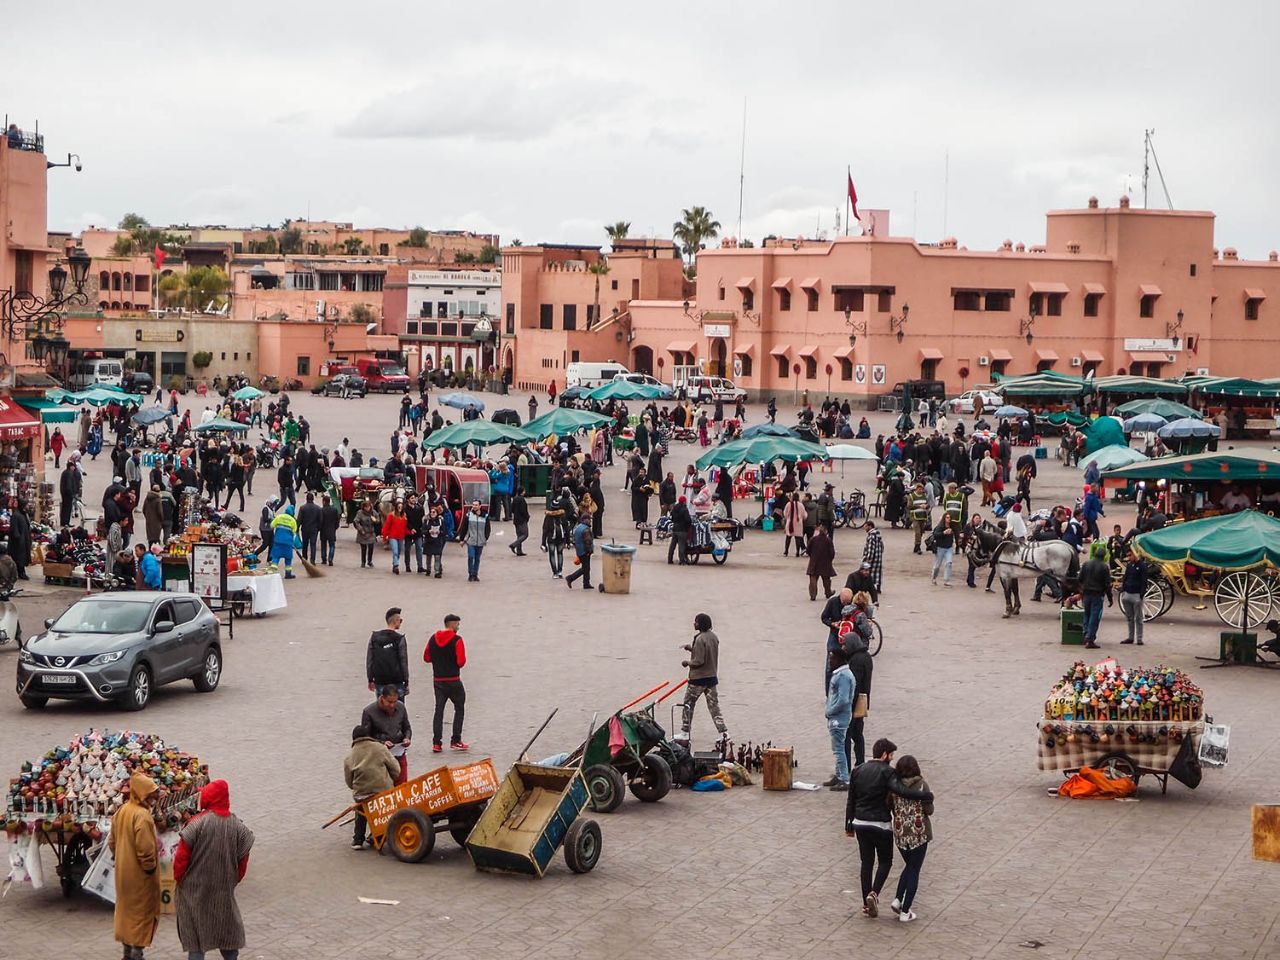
(544, 122)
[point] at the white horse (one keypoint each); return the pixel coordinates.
(1013, 559)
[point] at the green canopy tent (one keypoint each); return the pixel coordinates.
(480, 433)
(1043, 384)
(219, 423)
(1108, 458)
(1208, 466)
(1059, 417)
(50, 411)
(98, 396)
(1169, 409)
(247, 393)
(625, 390)
(761, 450)
(562, 421)
(1139, 386)
(1232, 387)
(1234, 541)
(768, 429)
(1104, 432)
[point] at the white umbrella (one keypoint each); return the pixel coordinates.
(847, 451)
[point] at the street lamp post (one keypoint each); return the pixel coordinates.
(40, 316)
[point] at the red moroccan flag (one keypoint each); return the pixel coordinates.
(853, 199)
(160, 254)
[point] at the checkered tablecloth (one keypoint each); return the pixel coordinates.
(1068, 754)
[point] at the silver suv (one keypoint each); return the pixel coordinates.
(118, 647)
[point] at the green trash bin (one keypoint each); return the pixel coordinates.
(1072, 627)
(535, 478)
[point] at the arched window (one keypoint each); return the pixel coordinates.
(115, 281)
(104, 281)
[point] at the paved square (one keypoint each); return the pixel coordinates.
(744, 874)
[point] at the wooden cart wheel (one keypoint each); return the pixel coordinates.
(606, 787)
(1242, 596)
(1158, 598)
(1116, 766)
(410, 836)
(582, 844)
(654, 781)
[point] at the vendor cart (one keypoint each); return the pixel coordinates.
(535, 812)
(617, 755)
(714, 538)
(407, 818)
(1119, 748)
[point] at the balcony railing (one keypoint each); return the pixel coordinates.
(23, 139)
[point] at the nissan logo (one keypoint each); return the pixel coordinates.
(59, 661)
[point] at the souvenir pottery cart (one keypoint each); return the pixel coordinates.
(66, 800)
(406, 819)
(1125, 722)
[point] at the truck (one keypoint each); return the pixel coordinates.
(383, 375)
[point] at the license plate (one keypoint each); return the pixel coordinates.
(58, 679)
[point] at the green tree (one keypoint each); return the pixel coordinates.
(351, 246)
(464, 256)
(133, 221)
(694, 228)
(201, 289)
(201, 359)
(617, 231)
(290, 240)
(488, 253)
(598, 269)
(360, 313)
(417, 238)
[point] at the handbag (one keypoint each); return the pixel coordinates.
(860, 706)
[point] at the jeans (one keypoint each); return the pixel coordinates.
(853, 738)
(288, 493)
(909, 880)
(473, 561)
(583, 571)
(1131, 604)
(874, 844)
(942, 560)
(838, 734)
(522, 534)
(448, 691)
(555, 556)
(397, 548)
(327, 548)
(1092, 617)
(309, 545)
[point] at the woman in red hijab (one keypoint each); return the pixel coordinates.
(211, 859)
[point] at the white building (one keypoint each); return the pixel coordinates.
(442, 308)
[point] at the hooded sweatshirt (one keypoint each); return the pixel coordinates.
(447, 655)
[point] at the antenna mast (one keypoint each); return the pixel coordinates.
(742, 167)
(1149, 154)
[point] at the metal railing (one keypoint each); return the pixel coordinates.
(30, 141)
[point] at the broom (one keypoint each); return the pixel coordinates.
(307, 565)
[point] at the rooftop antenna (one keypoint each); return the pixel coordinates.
(946, 189)
(1149, 154)
(742, 166)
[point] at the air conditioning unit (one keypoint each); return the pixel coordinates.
(1173, 357)
(320, 305)
(984, 361)
(1202, 371)
(1076, 362)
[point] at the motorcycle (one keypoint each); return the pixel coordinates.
(266, 453)
(10, 625)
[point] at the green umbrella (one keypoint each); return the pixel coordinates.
(482, 433)
(1169, 409)
(761, 450)
(247, 393)
(564, 420)
(1234, 541)
(99, 397)
(624, 390)
(768, 429)
(219, 423)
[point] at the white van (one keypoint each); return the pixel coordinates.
(88, 373)
(711, 389)
(591, 375)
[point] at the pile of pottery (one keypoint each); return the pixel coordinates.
(1112, 692)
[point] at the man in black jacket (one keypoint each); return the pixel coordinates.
(520, 517)
(832, 615)
(330, 519)
(284, 477)
(861, 581)
(309, 516)
(70, 486)
(681, 525)
(867, 817)
(386, 661)
(415, 514)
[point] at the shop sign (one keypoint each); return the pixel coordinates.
(452, 278)
(1147, 343)
(715, 331)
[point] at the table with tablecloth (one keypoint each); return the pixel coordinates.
(267, 590)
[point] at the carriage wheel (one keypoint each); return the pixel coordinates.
(1243, 599)
(1158, 598)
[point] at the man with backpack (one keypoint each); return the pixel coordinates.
(583, 547)
(386, 661)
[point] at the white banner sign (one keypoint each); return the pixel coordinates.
(1139, 343)
(458, 278)
(713, 331)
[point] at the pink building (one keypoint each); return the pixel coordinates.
(1111, 290)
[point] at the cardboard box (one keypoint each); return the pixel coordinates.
(61, 570)
(168, 887)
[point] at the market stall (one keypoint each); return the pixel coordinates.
(1242, 407)
(1206, 484)
(1125, 722)
(65, 799)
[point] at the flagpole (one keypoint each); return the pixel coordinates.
(848, 175)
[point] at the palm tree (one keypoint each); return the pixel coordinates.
(617, 231)
(598, 269)
(693, 229)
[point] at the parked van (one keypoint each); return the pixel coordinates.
(88, 373)
(589, 375)
(711, 389)
(382, 375)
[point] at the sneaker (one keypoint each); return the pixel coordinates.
(437, 574)
(459, 745)
(357, 846)
(396, 571)
(906, 916)
(436, 748)
(896, 905)
(872, 904)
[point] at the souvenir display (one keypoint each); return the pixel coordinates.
(1111, 692)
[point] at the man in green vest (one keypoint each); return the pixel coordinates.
(918, 511)
(955, 503)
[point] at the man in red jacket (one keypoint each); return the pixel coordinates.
(447, 655)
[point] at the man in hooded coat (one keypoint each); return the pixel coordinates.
(136, 851)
